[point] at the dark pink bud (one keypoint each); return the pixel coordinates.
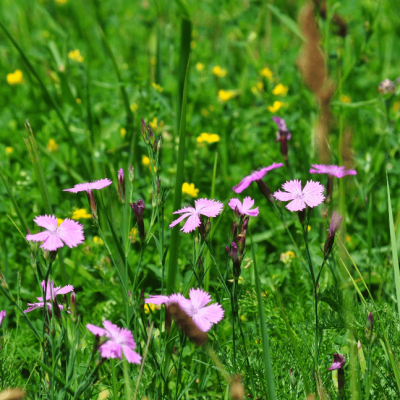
(333, 228)
(138, 210)
(121, 185)
(92, 203)
(369, 326)
(265, 190)
(338, 363)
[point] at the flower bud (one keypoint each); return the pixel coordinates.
(92, 204)
(121, 185)
(74, 307)
(333, 228)
(265, 190)
(138, 210)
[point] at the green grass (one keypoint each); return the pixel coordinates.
(85, 116)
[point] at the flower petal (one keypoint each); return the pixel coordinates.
(131, 355)
(213, 313)
(157, 299)
(71, 232)
(96, 330)
(191, 224)
(52, 243)
(296, 205)
(46, 221)
(282, 196)
(199, 298)
(181, 218)
(202, 322)
(64, 290)
(110, 349)
(233, 203)
(38, 237)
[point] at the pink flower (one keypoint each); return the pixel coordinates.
(69, 232)
(203, 316)
(51, 293)
(245, 208)
(332, 170)
(120, 340)
(161, 299)
(2, 316)
(283, 131)
(80, 187)
(254, 176)
(311, 195)
(209, 208)
(338, 362)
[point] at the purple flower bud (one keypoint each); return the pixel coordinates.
(92, 204)
(338, 363)
(333, 228)
(282, 135)
(233, 232)
(235, 259)
(241, 238)
(138, 210)
(74, 306)
(121, 185)
(265, 190)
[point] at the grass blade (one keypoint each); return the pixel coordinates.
(264, 333)
(394, 248)
(173, 256)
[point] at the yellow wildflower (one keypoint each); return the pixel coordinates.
(134, 107)
(145, 160)
(152, 307)
(254, 89)
(75, 55)
(218, 71)
(189, 189)
(199, 66)
(211, 108)
(348, 238)
(286, 257)
(243, 318)
(193, 44)
(280, 90)
(260, 86)
(276, 106)
(204, 112)
(207, 137)
(157, 87)
(133, 235)
(9, 150)
(97, 240)
(308, 228)
(345, 99)
(123, 132)
(266, 73)
(78, 101)
(15, 78)
(225, 95)
(80, 214)
(59, 220)
(396, 106)
(154, 124)
(52, 145)
(61, 2)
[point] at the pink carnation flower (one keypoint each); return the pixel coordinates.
(203, 316)
(69, 232)
(80, 187)
(338, 362)
(209, 208)
(332, 170)
(51, 293)
(245, 208)
(254, 176)
(2, 316)
(311, 195)
(120, 340)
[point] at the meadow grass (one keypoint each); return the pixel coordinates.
(181, 97)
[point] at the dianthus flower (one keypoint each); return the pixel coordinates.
(282, 135)
(333, 170)
(209, 208)
(120, 340)
(2, 316)
(338, 362)
(245, 208)
(311, 195)
(51, 293)
(333, 228)
(195, 307)
(69, 232)
(88, 188)
(254, 176)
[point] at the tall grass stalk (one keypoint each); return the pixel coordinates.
(269, 373)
